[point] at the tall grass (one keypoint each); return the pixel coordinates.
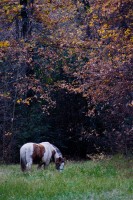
(109, 179)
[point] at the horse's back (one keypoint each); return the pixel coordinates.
(27, 146)
(46, 143)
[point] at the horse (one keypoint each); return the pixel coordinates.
(41, 154)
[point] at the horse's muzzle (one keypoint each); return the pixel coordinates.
(61, 167)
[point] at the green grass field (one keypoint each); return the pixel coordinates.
(108, 179)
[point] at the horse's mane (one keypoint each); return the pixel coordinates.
(57, 150)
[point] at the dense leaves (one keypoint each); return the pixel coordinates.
(70, 81)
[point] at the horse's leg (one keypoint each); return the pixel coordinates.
(40, 165)
(29, 164)
(46, 164)
(29, 160)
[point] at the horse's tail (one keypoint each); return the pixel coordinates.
(23, 164)
(23, 160)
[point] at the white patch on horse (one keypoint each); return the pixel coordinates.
(26, 153)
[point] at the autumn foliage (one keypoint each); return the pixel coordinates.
(71, 81)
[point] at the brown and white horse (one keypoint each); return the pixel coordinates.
(41, 154)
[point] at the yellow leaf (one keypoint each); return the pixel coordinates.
(4, 44)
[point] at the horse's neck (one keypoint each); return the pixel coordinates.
(57, 153)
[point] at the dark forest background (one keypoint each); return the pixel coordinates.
(69, 80)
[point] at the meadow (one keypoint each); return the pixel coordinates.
(107, 179)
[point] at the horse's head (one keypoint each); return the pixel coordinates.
(59, 163)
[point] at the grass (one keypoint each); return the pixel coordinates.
(109, 179)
